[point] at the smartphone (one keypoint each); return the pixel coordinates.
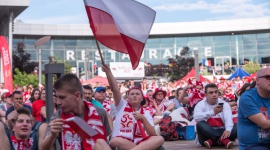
(220, 104)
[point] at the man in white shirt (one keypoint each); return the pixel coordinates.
(214, 120)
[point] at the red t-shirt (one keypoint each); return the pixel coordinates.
(36, 106)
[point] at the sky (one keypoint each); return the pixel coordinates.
(73, 11)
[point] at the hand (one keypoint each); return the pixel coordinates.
(17, 105)
(153, 103)
(12, 116)
(56, 126)
(138, 116)
(225, 135)
(218, 109)
(105, 68)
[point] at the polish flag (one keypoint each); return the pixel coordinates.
(121, 25)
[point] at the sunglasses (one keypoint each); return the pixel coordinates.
(267, 77)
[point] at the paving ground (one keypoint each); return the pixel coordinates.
(190, 145)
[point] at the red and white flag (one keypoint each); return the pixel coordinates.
(121, 25)
(7, 72)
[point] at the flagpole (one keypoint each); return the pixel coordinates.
(103, 63)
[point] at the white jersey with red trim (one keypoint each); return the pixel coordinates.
(205, 112)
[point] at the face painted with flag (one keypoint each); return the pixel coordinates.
(121, 25)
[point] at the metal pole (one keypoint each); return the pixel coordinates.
(196, 58)
(10, 36)
(237, 51)
(39, 67)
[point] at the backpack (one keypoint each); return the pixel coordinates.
(33, 134)
(168, 129)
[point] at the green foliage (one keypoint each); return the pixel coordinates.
(21, 60)
(251, 67)
(22, 78)
(180, 65)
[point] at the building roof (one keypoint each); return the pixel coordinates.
(158, 29)
(15, 6)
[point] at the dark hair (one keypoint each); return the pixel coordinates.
(244, 88)
(88, 87)
(32, 98)
(253, 84)
(210, 85)
(24, 110)
(179, 89)
(16, 92)
(69, 82)
(173, 91)
(149, 91)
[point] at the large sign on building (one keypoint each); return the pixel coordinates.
(124, 70)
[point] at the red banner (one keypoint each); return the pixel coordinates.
(5, 55)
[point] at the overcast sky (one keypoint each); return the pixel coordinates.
(73, 11)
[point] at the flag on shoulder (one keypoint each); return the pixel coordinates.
(121, 25)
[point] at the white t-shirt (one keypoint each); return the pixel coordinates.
(119, 113)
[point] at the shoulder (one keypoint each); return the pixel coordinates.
(10, 109)
(57, 114)
(100, 111)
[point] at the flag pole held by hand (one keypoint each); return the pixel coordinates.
(103, 63)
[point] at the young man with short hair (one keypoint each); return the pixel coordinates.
(69, 92)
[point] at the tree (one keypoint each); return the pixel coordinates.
(180, 65)
(22, 78)
(21, 60)
(251, 67)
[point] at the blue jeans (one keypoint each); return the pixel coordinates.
(258, 146)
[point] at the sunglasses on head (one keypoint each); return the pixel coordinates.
(267, 77)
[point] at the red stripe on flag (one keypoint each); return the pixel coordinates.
(106, 32)
(5, 55)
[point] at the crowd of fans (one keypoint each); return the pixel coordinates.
(125, 115)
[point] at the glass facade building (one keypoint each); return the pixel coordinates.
(222, 44)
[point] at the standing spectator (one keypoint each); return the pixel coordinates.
(153, 85)
(214, 121)
(37, 116)
(35, 95)
(2, 88)
(88, 95)
(253, 118)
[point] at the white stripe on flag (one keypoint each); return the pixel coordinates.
(128, 16)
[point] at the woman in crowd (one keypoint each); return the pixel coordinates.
(35, 95)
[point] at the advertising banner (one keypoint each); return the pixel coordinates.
(124, 69)
(7, 70)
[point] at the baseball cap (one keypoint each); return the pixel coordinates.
(100, 88)
(8, 94)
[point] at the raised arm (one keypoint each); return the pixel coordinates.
(113, 84)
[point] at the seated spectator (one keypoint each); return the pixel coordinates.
(35, 95)
(69, 92)
(214, 120)
(20, 139)
(37, 115)
(130, 134)
(253, 115)
(17, 99)
(8, 103)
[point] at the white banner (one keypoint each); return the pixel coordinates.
(124, 69)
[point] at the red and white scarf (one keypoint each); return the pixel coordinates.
(71, 140)
(162, 105)
(129, 126)
(107, 105)
(22, 144)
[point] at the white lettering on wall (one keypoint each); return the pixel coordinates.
(208, 51)
(112, 53)
(167, 54)
(152, 53)
(70, 55)
(97, 57)
(83, 54)
(179, 51)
